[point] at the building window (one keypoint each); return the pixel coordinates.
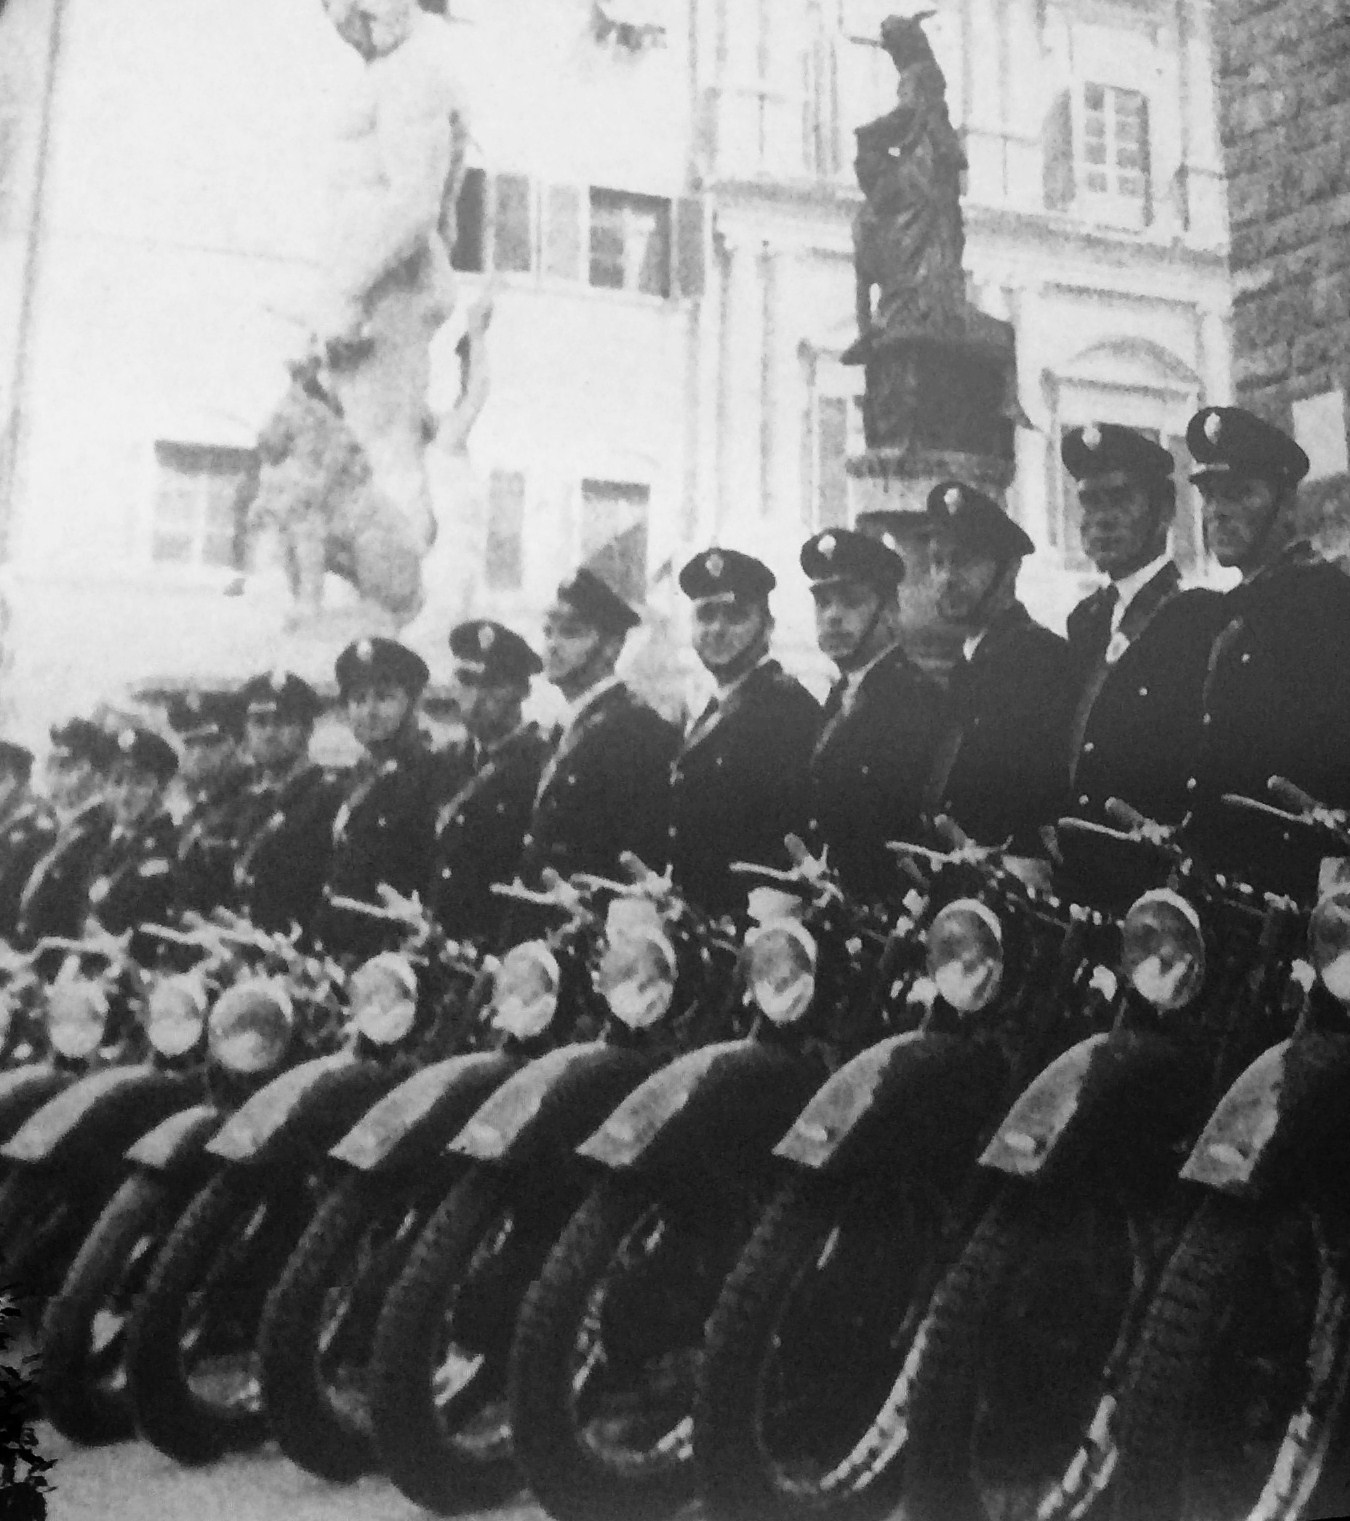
(201, 504)
(614, 534)
(1113, 145)
(630, 242)
(512, 224)
(505, 566)
(832, 444)
(470, 223)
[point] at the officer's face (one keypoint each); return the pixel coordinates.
(725, 628)
(1237, 511)
(846, 613)
(569, 642)
(203, 759)
(273, 741)
(962, 578)
(69, 781)
(377, 710)
(132, 791)
(487, 709)
(1120, 528)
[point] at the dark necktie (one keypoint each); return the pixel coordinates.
(1098, 635)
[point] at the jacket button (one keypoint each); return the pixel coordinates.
(1207, 719)
(672, 832)
(1089, 747)
(867, 770)
(1191, 784)
(528, 840)
(1143, 691)
(1246, 657)
(1083, 800)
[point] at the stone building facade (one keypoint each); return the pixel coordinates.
(661, 201)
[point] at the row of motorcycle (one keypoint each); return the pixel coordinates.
(1022, 1196)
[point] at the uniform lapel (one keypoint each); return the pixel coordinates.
(719, 711)
(586, 720)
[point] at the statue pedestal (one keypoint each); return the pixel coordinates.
(936, 408)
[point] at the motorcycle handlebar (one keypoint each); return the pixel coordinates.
(374, 910)
(1291, 796)
(1127, 817)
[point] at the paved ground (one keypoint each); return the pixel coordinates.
(133, 1482)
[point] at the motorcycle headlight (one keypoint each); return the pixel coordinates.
(250, 1026)
(77, 1017)
(525, 990)
(965, 954)
(1329, 941)
(177, 1015)
(383, 998)
(781, 971)
(636, 974)
(1163, 953)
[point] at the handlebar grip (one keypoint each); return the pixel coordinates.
(1290, 796)
(796, 849)
(950, 832)
(1121, 813)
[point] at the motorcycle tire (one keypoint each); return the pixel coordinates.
(313, 1427)
(853, 1383)
(83, 1374)
(973, 1318)
(201, 1255)
(574, 1476)
(418, 1440)
(44, 1218)
(1181, 1371)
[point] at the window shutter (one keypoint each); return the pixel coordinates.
(690, 260)
(467, 255)
(506, 530)
(1057, 154)
(1145, 157)
(562, 232)
(831, 455)
(512, 230)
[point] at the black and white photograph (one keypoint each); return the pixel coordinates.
(674, 760)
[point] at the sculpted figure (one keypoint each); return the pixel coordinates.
(908, 235)
(344, 475)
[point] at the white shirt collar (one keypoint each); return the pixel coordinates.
(723, 692)
(574, 709)
(1129, 587)
(972, 642)
(854, 679)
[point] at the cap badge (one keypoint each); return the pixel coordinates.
(277, 680)
(364, 651)
(888, 539)
(487, 637)
(1213, 427)
(952, 498)
(194, 701)
(826, 546)
(715, 565)
(126, 740)
(1092, 436)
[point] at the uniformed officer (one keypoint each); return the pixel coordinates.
(740, 781)
(1001, 769)
(605, 788)
(875, 747)
(384, 832)
(284, 829)
(28, 829)
(1140, 643)
(132, 879)
(481, 829)
(52, 901)
(213, 777)
(1277, 694)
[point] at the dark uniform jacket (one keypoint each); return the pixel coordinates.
(868, 768)
(285, 845)
(384, 833)
(480, 832)
(739, 783)
(1001, 771)
(28, 830)
(1137, 718)
(1276, 702)
(133, 877)
(208, 841)
(605, 789)
(54, 898)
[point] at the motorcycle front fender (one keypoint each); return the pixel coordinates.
(302, 1112)
(100, 1115)
(712, 1110)
(1124, 1096)
(553, 1104)
(178, 1144)
(1283, 1109)
(25, 1090)
(425, 1111)
(914, 1101)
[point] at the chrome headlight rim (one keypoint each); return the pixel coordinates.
(78, 1014)
(1329, 924)
(619, 977)
(1159, 906)
(781, 1006)
(980, 929)
(524, 1020)
(175, 1014)
(226, 1044)
(384, 1021)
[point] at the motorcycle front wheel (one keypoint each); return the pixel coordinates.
(1014, 1369)
(45, 1215)
(192, 1368)
(801, 1402)
(314, 1343)
(1239, 1380)
(608, 1346)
